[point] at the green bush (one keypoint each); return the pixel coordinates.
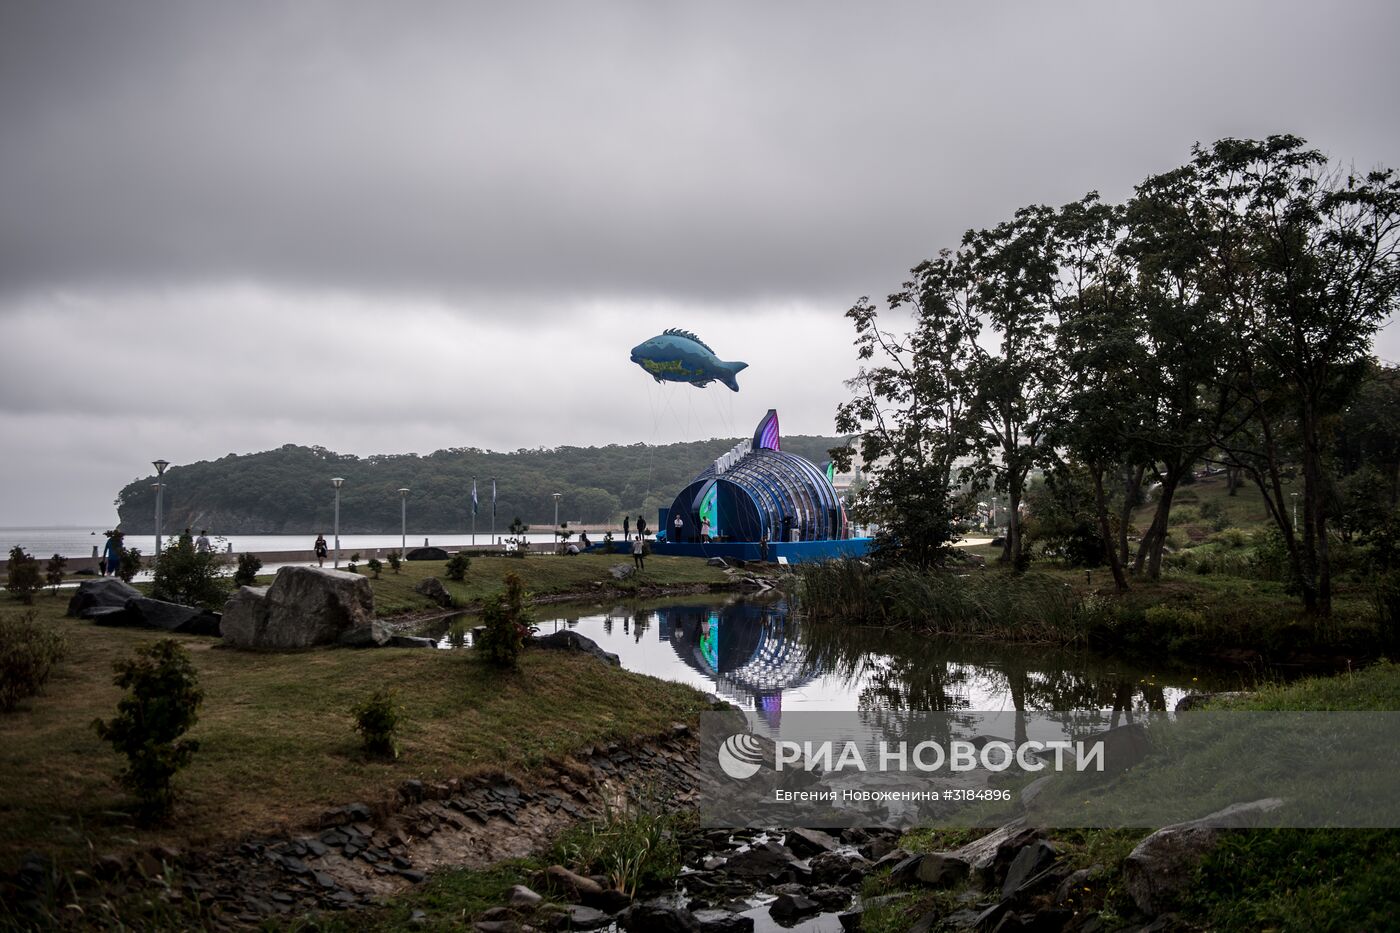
(130, 563)
(457, 566)
(248, 567)
(24, 577)
(395, 560)
(188, 576)
(53, 573)
(28, 652)
(161, 704)
(377, 720)
(507, 619)
(374, 567)
(637, 846)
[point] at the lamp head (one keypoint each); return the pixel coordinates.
(403, 491)
(160, 465)
(336, 481)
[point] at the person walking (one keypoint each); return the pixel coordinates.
(639, 552)
(705, 529)
(626, 527)
(112, 554)
(321, 550)
(201, 544)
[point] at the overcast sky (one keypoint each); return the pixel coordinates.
(389, 227)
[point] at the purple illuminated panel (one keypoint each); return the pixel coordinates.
(766, 437)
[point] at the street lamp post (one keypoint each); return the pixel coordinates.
(336, 481)
(403, 520)
(556, 514)
(160, 466)
(994, 514)
(1295, 511)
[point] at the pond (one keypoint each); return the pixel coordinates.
(761, 656)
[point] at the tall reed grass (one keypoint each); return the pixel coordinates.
(1026, 607)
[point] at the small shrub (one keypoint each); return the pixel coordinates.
(519, 540)
(53, 573)
(374, 567)
(1174, 619)
(507, 621)
(637, 846)
(28, 652)
(24, 577)
(457, 566)
(377, 720)
(130, 563)
(188, 576)
(248, 567)
(161, 704)
(607, 542)
(395, 560)
(351, 567)
(1233, 538)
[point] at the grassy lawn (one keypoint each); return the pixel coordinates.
(544, 576)
(275, 732)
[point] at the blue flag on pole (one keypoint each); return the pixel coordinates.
(474, 502)
(493, 498)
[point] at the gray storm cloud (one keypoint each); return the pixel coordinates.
(229, 226)
(716, 150)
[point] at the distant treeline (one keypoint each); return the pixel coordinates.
(289, 490)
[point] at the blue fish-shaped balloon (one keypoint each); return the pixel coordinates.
(679, 356)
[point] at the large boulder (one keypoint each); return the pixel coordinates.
(435, 591)
(1162, 865)
(144, 612)
(426, 553)
(304, 606)
(569, 640)
(102, 593)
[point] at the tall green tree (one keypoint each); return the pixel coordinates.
(1306, 266)
(910, 409)
(1018, 375)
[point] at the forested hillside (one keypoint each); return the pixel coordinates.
(289, 490)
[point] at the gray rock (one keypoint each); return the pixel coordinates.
(172, 617)
(789, 908)
(426, 553)
(575, 883)
(906, 870)
(621, 571)
(104, 592)
(435, 591)
(374, 634)
(521, 896)
(1028, 863)
(806, 843)
(1033, 790)
(723, 921)
(766, 861)
(716, 562)
(942, 870)
(658, 917)
(1162, 865)
(569, 640)
(982, 855)
(1071, 891)
(304, 606)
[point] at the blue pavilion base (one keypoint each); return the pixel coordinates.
(796, 552)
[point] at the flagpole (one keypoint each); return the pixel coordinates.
(473, 511)
(493, 510)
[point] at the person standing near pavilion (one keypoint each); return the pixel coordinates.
(626, 527)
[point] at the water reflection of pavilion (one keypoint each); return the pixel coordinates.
(749, 651)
